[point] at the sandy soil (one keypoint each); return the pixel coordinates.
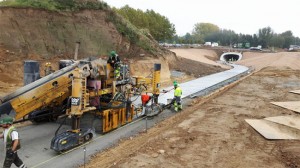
(261, 60)
(194, 68)
(11, 68)
(211, 132)
(201, 55)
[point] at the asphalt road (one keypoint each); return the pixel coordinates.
(35, 141)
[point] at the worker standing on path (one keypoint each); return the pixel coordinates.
(177, 97)
(11, 143)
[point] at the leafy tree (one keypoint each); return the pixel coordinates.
(188, 38)
(202, 30)
(264, 36)
(159, 26)
(277, 41)
(296, 41)
(223, 37)
(288, 38)
(255, 40)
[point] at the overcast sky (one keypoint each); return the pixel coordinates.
(239, 15)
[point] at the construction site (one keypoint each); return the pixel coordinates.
(74, 107)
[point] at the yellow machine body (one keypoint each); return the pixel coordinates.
(73, 86)
(114, 118)
(52, 93)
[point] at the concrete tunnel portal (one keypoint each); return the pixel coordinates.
(231, 56)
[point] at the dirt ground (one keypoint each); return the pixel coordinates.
(259, 60)
(11, 68)
(212, 132)
(201, 55)
(194, 68)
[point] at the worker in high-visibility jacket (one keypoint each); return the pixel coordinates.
(115, 61)
(117, 71)
(177, 97)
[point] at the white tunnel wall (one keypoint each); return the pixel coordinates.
(231, 55)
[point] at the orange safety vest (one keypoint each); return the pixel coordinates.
(145, 99)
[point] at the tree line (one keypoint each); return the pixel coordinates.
(265, 37)
(149, 21)
(161, 29)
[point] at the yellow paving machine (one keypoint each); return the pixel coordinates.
(87, 93)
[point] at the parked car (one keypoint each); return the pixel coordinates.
(258, 48)
(255, 49)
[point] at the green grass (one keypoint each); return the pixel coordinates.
(56, 5)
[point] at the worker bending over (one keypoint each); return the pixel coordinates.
(145, 99)
(177, 97)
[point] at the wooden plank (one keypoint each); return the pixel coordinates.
(292, 105)
(295, 91)
(271, 130)
(290, 121)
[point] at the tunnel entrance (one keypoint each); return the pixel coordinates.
(231, 56)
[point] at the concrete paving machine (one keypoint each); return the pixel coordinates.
(87, 93)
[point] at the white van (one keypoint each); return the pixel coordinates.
(207, 44)
(214, 44)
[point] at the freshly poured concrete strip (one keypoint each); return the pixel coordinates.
(206, 83)
(295, 91)
(271, 130)
(290, 121)
(292, 105)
